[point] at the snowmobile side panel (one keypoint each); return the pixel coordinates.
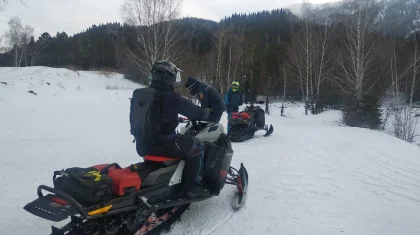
(159, 176)
(177, 176)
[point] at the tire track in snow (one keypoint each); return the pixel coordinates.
(218, 225)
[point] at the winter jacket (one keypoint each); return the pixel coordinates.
(233, 100)
(172, 105)
(208, 97)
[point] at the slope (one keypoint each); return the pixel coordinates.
(312, 176)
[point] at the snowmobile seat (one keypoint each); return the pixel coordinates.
(164, 160)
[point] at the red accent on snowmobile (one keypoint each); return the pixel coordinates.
(223, 174)
(122, 179)
(59, 201)
(244, 115)
(236, 115)
(159, 158)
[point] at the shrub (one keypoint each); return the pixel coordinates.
(364, 113)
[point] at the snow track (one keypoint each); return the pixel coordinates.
(311, 176)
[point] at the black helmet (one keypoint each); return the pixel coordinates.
(166, 72)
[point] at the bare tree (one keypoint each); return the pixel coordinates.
(4, 3)
(18, 38)
(156, 26)
(307, 45)
(416, 68)
(404, 121)
(35, 48)
(323, 58)
(220, 38)
(301, 54)
(359, 53)
(284, 75)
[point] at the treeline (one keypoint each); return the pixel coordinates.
(271, 53)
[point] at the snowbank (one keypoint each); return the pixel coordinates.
(312, 176)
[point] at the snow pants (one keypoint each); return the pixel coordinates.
(229, 111)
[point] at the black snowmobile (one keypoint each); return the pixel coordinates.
(142, 199)
(243, 125)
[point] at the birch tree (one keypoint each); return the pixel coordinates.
(220, 38)
(323, 59)
(416, 68)
(4, 3)
(156, 26)
(18, 38)
(404, 121)
(359, 53)
(36, 48)
(301, 54)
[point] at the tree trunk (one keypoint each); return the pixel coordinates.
(413, 82)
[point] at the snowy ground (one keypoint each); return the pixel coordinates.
(312, 176)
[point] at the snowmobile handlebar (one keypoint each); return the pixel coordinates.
(197, 125)
(63, 195)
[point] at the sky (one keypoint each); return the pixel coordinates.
(54, 16)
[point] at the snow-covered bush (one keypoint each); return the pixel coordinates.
(405, 123)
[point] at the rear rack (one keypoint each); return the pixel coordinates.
(66, 197)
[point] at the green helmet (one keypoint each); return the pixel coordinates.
(235, 86)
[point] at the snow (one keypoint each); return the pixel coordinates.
(312, 176)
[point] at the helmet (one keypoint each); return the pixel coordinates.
(192, 85)
(166, 72)
(235, 86)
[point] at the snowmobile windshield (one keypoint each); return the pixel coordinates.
(178, 76)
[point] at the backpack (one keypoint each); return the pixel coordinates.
(145, 113)
(85, 185)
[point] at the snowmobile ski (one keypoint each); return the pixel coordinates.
(241, 181)
(269, 130)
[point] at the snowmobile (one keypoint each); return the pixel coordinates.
(243, 125)
(147, 197)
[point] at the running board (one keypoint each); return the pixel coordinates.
(157, 207)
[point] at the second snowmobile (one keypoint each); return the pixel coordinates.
(244, 124)
(146, 198)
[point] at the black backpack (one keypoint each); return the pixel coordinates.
(85, 185)
(145, 113)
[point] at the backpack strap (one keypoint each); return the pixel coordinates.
(106, 169)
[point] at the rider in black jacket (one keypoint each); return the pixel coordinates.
(166, 142)
(208, 97)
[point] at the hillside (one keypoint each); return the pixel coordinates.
(395, 17)
(312, 176)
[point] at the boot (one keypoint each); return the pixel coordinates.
(196, 191)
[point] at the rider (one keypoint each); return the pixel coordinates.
(208, 97)
(155, 131)
(233, 99)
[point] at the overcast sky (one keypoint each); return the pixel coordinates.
(75, 15)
